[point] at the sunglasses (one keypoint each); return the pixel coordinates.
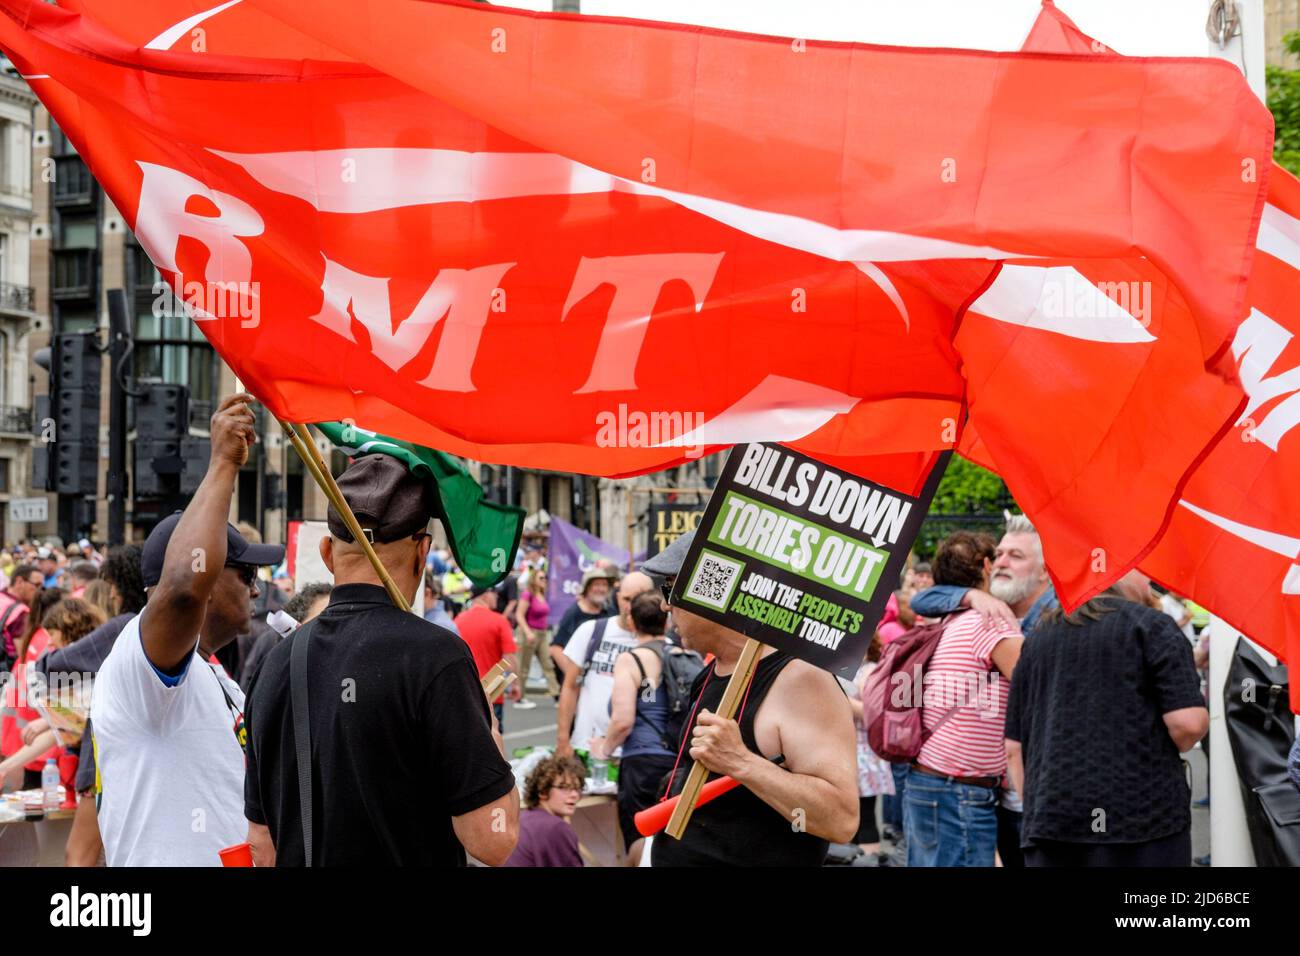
(666, 588)
(247, 572)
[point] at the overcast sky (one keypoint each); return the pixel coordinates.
(1136, 27)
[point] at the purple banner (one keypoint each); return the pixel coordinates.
(572, 552)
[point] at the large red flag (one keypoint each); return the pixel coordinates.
(1103, 352)
(1232, 539)
(604, 246)
(1233, 542)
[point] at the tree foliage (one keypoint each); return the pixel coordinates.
(1283, 90)
(969, 498)
(968, 489)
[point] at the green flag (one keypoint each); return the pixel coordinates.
(484, 535)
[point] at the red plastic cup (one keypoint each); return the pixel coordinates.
(68, 777)
(241, 854)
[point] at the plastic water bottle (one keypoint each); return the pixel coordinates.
(50, 796)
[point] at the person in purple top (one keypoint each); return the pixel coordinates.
(551, 795)
(533, 617)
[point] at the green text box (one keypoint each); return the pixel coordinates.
(825, 535)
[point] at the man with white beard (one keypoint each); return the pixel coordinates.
(1019, 591)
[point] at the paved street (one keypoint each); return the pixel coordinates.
(530, 728)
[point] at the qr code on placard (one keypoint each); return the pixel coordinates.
(713, 580)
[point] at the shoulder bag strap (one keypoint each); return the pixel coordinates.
(597, 635)
(658, 649)
(4, 620)
(302, 729)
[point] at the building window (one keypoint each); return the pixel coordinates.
(144, 276)
(170, 348)
(4, 476)
(60, 145)
(78, 320)
(78, 232)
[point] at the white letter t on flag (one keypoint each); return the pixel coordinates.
(637, 281)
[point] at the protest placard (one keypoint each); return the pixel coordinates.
(799, 555)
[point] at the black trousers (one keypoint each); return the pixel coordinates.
(1009, 838)
(1175, 850)
(639, 781)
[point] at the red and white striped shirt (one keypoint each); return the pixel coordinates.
(961, 674)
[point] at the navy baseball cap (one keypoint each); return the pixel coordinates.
(239, 550)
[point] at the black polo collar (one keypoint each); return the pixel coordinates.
(359, 594)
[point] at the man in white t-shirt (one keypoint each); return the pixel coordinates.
(168, 726)
(589, 672)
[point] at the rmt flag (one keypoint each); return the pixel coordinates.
(1232, 540)
(486, 231)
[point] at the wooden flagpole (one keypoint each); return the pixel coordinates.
(311, 458)
(494, 681)
(497, 679)
(731, 698)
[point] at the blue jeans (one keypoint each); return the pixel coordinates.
(891, 809)
(947, 823)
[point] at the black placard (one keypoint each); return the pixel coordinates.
(800, 555)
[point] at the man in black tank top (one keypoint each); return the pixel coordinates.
(783, 814)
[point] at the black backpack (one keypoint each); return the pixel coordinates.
(679, 668)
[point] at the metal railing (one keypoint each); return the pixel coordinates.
(14, 418)
(17, 298)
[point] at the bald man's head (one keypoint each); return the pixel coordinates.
(632, 585)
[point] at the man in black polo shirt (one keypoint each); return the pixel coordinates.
(407, 764)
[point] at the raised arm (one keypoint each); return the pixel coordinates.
(817, 787)
(196, 553)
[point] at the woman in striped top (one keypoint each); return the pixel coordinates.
(950, 805)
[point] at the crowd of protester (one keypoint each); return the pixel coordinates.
(991, 607)
(195, 709)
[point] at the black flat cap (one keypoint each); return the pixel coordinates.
(387, 499)
(239, 550)
(668, 562)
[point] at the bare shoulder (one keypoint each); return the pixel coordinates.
(624, 664)
(809, 689)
